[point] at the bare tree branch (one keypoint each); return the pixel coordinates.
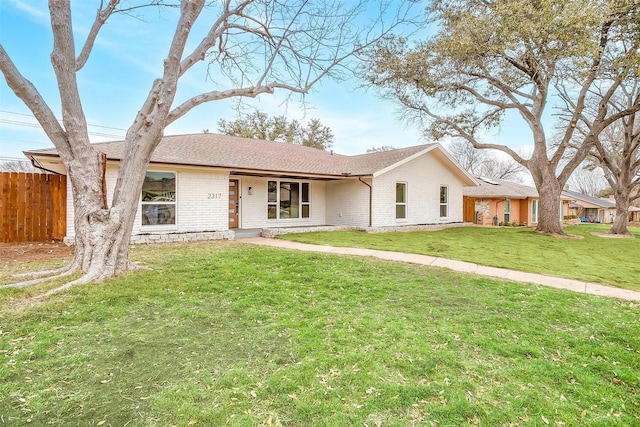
(101, 17)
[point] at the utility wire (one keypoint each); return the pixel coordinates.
(37, 125)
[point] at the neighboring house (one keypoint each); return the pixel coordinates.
(499, 201)
(590, 209)
(209, 183)
(634, 214)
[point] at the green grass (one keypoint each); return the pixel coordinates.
(611, 261)
(228, 334)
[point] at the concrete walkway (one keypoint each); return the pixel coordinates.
(460, 266)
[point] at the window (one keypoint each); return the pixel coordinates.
(401, 200)
(535, 207)
(444, 201)
(306, 203)
(507, 211)
(159, 198)
(288, 200)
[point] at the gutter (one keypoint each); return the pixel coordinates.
(370, 199)
(36, 164)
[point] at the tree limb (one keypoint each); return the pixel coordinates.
(28, 93)
(101, 16)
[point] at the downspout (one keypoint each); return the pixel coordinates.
(370, 199)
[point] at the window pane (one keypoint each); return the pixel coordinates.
(401, 211)
(305, 211)
(305, 192)
(289, 200)
(443, 211)
(444, 195)
(401, 192)
(154, 214)
(272, 211)
(272, 189)
(159, 187)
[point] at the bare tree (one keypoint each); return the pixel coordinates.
(484, 162)
(16, 166)
(260, 46)
(618, 153)
(493, 57)
(587, 179)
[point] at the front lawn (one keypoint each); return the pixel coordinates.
(229, 334)
(611, 261)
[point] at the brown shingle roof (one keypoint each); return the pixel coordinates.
(244, 154)
(501, 189)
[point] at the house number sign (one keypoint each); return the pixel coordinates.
(214, 196)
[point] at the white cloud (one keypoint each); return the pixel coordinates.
(37, 13)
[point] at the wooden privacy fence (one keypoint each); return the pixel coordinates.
(33, 207)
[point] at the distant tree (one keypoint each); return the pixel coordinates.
(587, 179)
(381, 148)
(259, 125)
(484, 162)
(16, 166)
(605, 193)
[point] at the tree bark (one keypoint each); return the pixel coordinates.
(621, 222)
(549, 221)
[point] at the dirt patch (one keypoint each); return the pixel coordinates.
(613, 236)
(33, 251)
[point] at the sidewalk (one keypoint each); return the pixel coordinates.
(460, 266)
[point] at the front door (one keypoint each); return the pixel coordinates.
(234, 202)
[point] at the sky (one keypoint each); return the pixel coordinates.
(127, 57)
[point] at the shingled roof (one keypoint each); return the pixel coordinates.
(252, 155)
(579, 197)
(490, 188)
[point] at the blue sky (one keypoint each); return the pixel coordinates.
(128, 56)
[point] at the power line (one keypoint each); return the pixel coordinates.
(32, 116)
(37, 125)
(13, 159)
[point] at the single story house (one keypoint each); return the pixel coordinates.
(217, 183)
(498, 201)
(591, 209)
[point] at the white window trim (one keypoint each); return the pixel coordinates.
(141, 203)
(405, 203)
(507, 202)
(446, 203)
(535, 211)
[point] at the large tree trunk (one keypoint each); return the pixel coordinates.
(549, 216)
(103, 233)
(549, 189)
(621, 222)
